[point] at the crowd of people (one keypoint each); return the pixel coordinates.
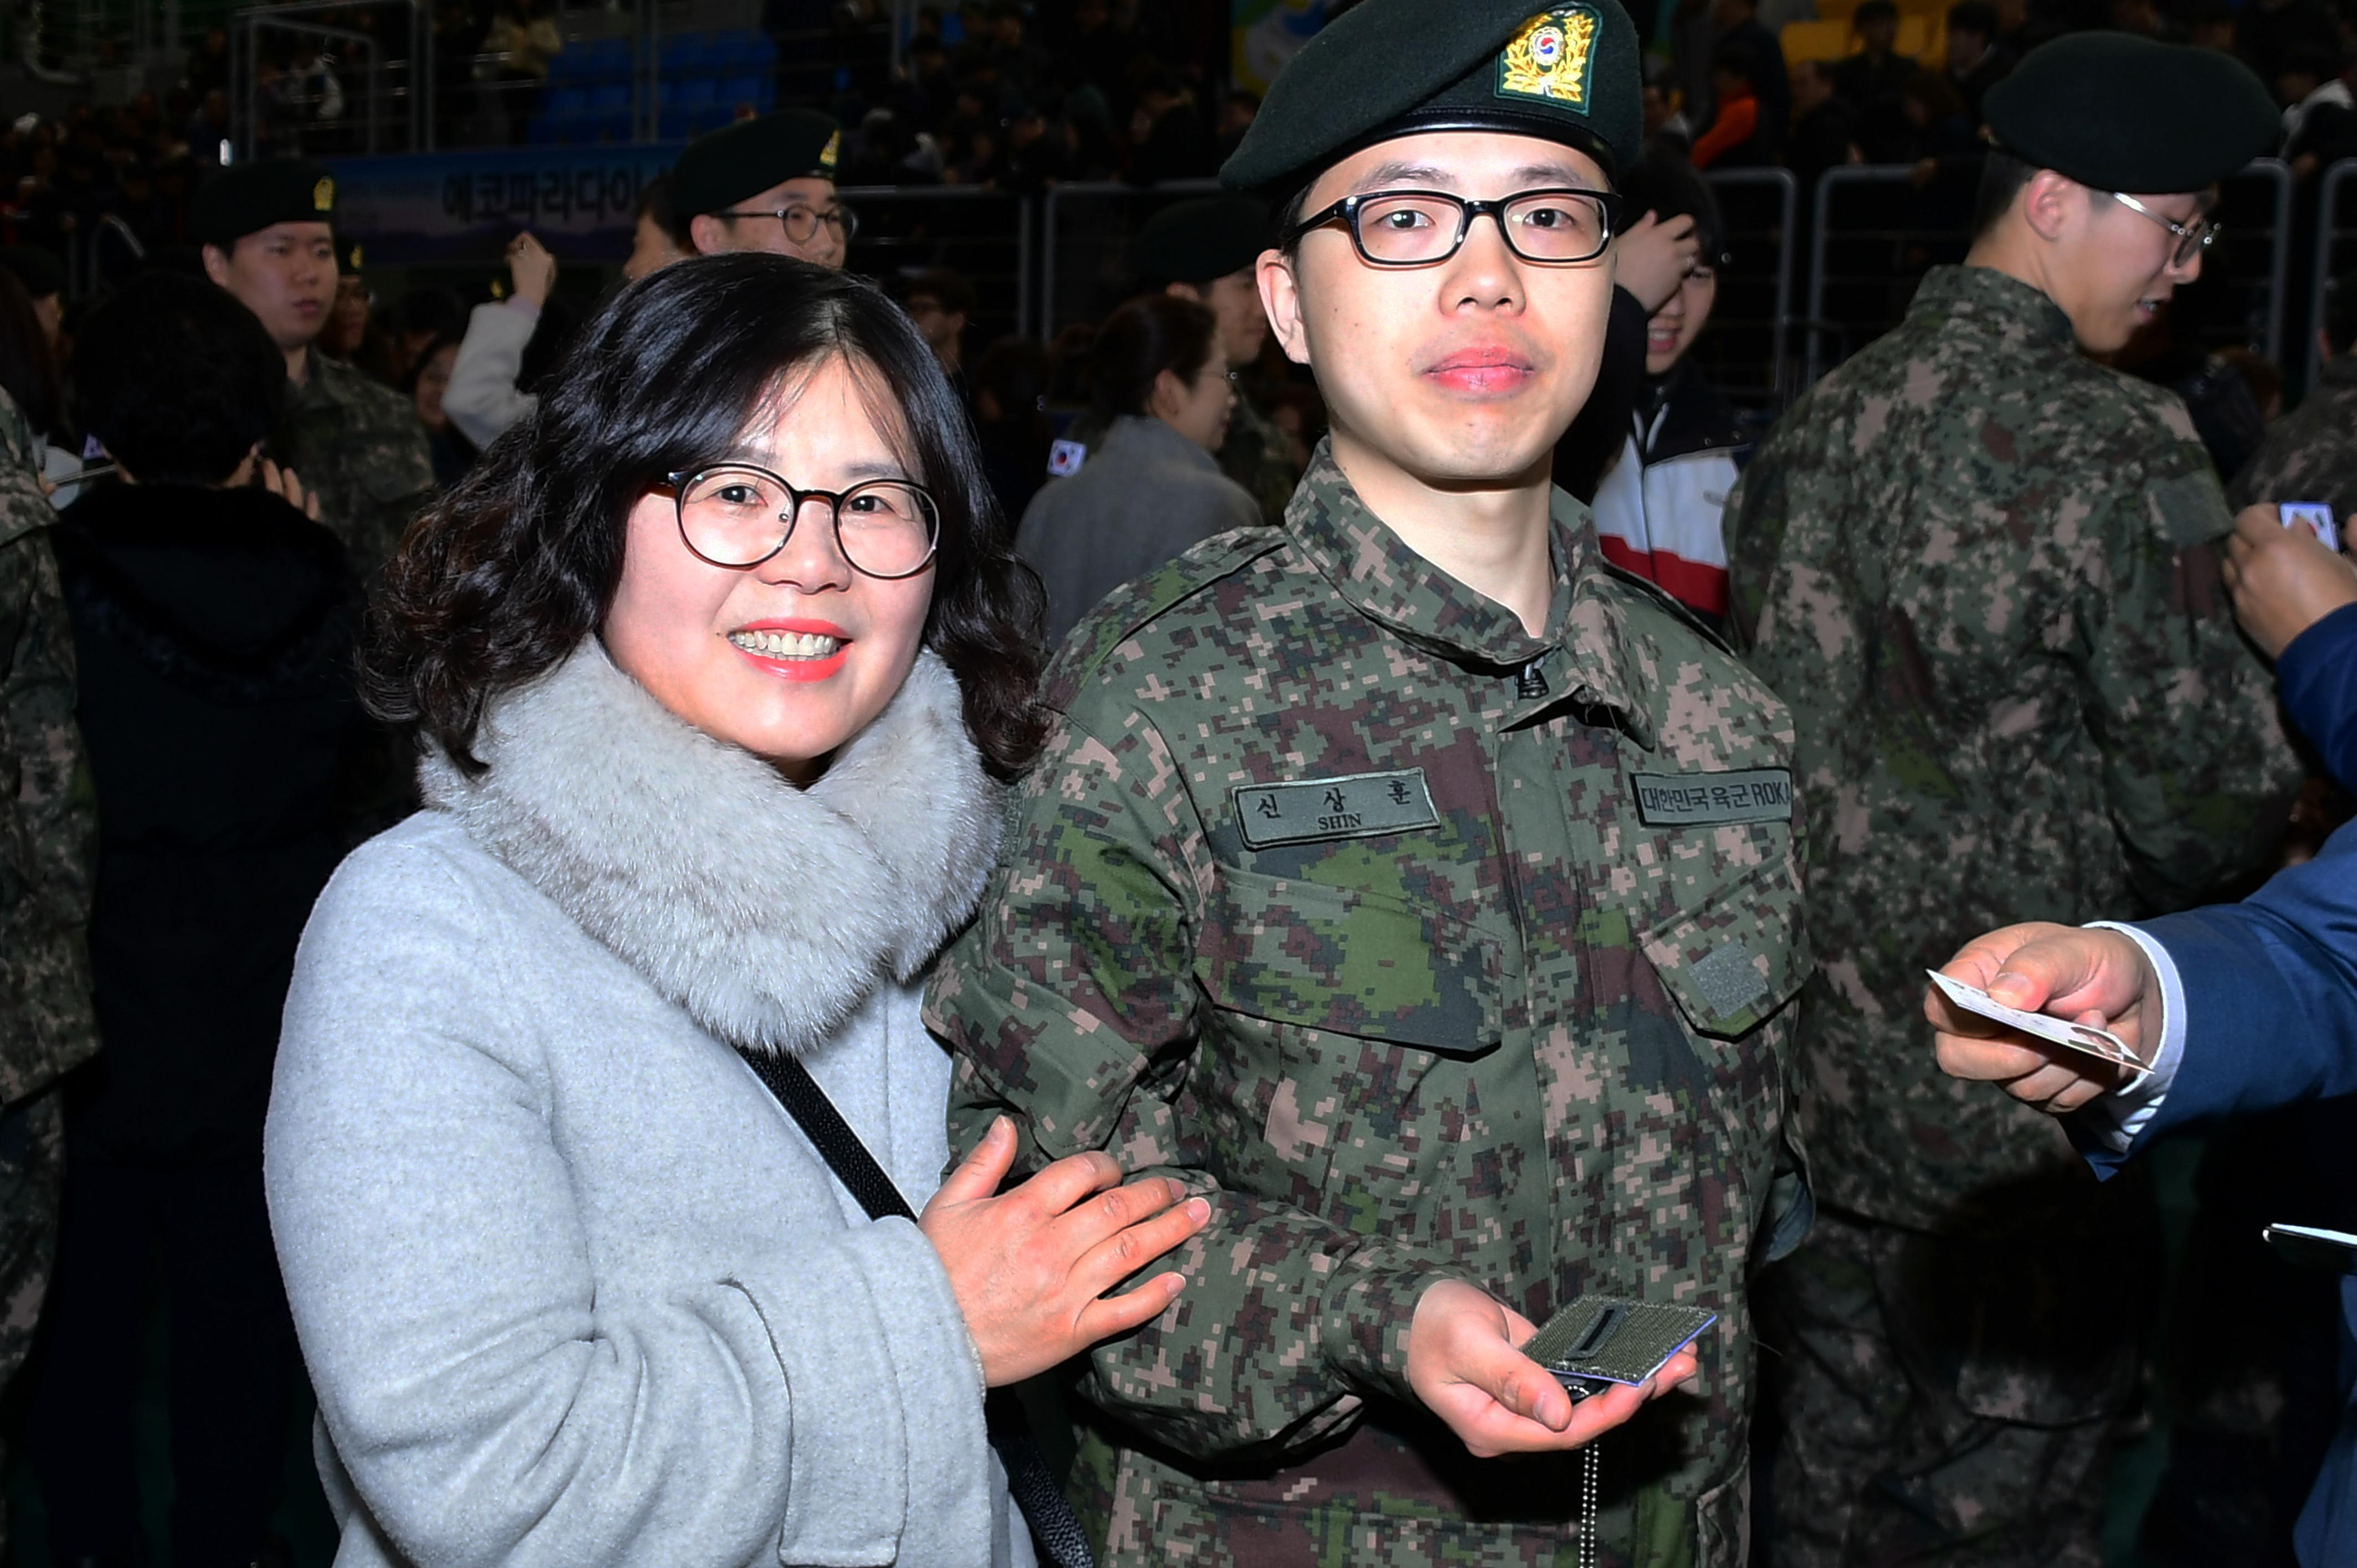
(708, 908)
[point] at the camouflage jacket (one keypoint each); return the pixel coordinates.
(1980, 568)
(2310, 454)
(48, 809)
(1424, 946)
(361, 448)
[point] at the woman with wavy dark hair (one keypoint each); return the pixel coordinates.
(719, 662)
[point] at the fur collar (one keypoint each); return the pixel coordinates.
(768, 912)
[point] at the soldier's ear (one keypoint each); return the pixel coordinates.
(2051, 201)
(1280, 297)
(216, 265)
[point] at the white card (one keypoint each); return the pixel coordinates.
(2062, 1031)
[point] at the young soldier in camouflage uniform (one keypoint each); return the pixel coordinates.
(1411, 883)
(48, 832)
(1981, 568)
(267, 237)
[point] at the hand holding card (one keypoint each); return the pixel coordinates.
(2085, 1038)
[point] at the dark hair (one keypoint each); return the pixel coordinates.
(2003, 175)
(1871, 11)
(655, 205)
(177, 379)
(500, 579)
(429, 307)
(1735, 57)
(1662, 182)
(945, 288)
(27, 372)
(1145, 337)
(1974, 16)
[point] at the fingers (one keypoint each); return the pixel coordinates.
(978, 1174)
(1110, 1315)
(1068, 1182)
(1137, 1245)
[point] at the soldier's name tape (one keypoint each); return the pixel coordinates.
(1358, 805)
(1706, 799)
(1363, 805)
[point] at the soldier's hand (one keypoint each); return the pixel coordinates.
(2088, 977)
(1030, 1267)
(2283, 580)
(533, 268)
(1462, 1363)
(282, 482)
(1654, 257)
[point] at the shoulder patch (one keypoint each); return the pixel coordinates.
(1148, 600)
(1663, 598)
(2192, 509)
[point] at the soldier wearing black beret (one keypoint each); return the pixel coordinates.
(766, 184)
(1980, 566)
(1421, 887)
(268, 233)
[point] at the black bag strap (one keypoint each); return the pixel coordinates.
(1054, 1530)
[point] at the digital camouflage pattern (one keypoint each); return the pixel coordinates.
(2310, 454)
(361, 450)
(1983, 1434)
(1513, 1034)
(1980, 567)
(48, 806)
(49, 840)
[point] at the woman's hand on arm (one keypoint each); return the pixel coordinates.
(1030, 1267)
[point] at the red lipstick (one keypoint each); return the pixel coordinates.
(791, 667)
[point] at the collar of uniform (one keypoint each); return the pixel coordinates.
(1579, 655)
(321, 384)
(1998, 301)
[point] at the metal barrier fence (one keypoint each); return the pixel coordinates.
(269, 115)
(1744, 351)
(1087, 268)
(982, 233)
(1875, 232)
(2336, 238)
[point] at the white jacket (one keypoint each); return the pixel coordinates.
(481, 399)
(572, 1287)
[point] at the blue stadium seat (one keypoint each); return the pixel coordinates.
(758, 91)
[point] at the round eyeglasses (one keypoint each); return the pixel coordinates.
(1418, 227)
(732, 516)
(803, 223)
(2192, 239)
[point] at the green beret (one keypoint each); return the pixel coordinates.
(717, 171)
(245, 199)
(1396, 68)
(1209, 237)
(39, 270)
(2122, 113)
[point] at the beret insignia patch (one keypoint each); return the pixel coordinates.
(832, 151)
(323, 196)
(1552, 57)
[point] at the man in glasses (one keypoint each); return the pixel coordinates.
(766, 184)
(1985, 570)
(1412, 884)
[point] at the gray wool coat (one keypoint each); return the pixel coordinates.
(572, 1287)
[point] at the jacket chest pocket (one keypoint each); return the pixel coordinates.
(1356, 1028)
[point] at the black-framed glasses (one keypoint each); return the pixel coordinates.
(1554, 227)
(2192, 239)
(731, 515)
(803, 223)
